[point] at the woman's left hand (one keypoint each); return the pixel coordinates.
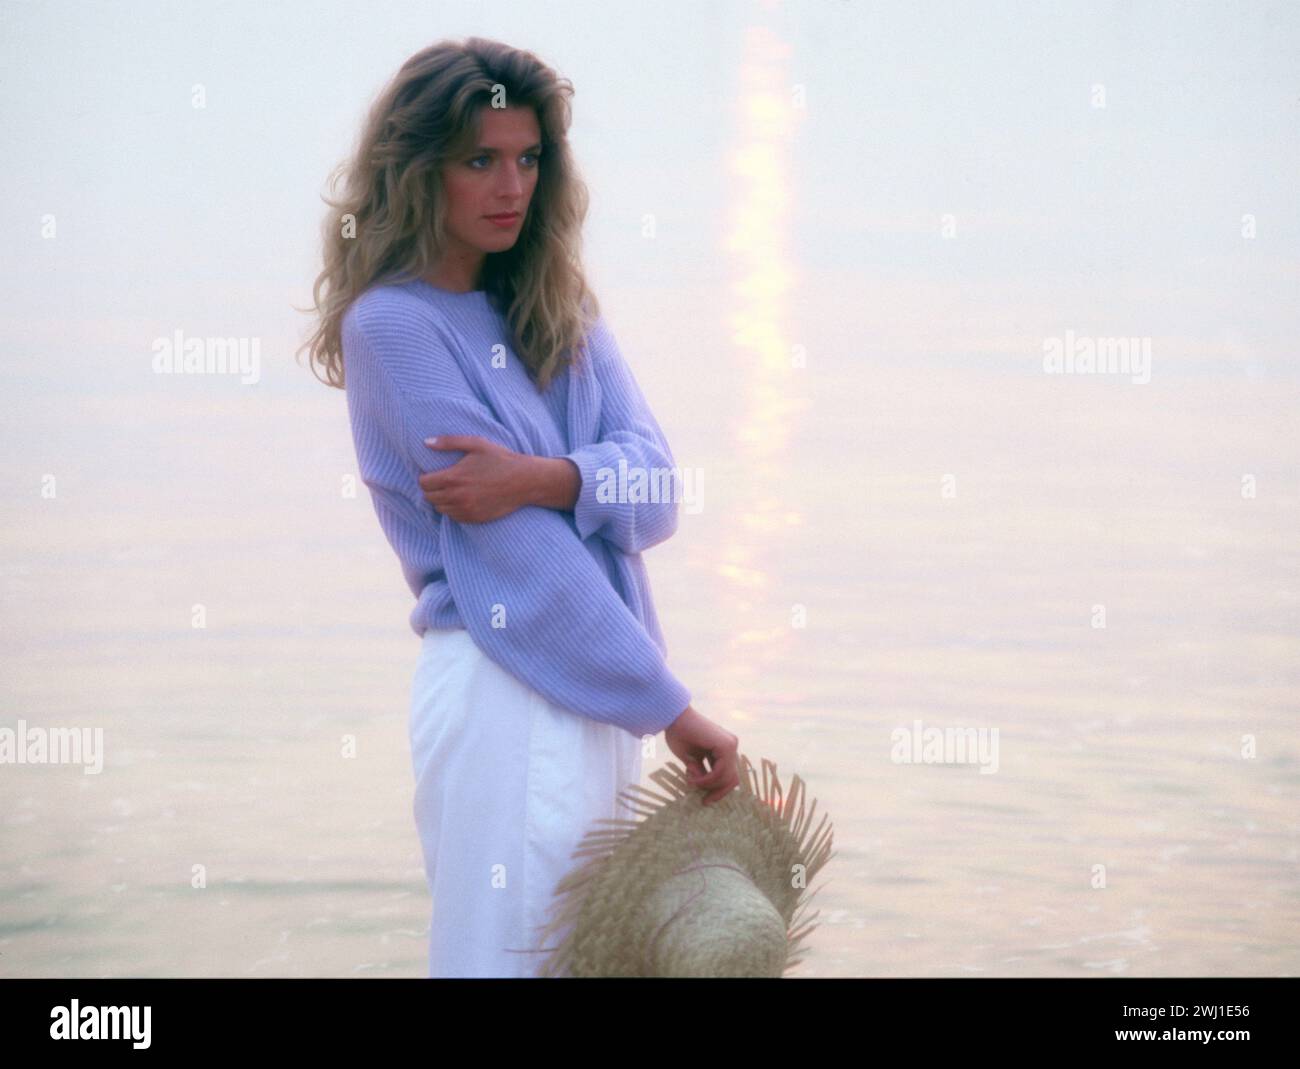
(490, 481)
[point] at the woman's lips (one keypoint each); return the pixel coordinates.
(508, 219)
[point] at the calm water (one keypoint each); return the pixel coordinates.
(1118, 746)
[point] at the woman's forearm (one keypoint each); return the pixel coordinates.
(552, 482)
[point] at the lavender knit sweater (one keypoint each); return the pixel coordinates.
(559, 599)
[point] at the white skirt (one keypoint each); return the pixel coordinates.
(506, 785)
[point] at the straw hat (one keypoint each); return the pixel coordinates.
(693, 889)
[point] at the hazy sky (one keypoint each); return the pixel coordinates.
(1127, 217)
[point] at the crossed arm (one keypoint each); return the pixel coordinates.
(495, 482)
(569, 634)
(490, 482)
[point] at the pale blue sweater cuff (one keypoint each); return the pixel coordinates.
(632, 525)
(590, 513)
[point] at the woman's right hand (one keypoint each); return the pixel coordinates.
(693, 738)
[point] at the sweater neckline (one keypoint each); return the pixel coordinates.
(438, 291)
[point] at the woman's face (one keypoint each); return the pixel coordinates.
(494, 179)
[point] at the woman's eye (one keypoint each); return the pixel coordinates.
(534, 156)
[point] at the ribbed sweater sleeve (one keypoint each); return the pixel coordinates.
(629, 484)
(530, 593)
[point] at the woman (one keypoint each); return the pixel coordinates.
(454, 297)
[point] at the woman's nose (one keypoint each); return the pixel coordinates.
(512, 183)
